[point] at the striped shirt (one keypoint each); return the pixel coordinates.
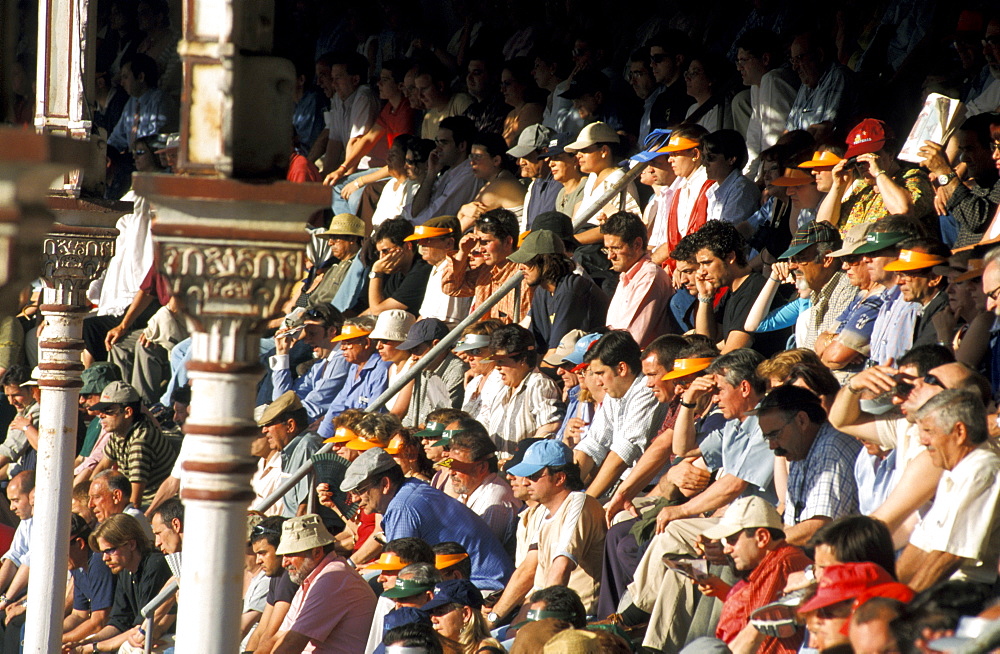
(519, 412)
(143, 454)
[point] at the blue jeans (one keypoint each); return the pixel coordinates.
(351, 204)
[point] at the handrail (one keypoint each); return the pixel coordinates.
(607, 196)
(397, 385)
(149, 609)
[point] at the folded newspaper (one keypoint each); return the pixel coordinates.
(936, 121)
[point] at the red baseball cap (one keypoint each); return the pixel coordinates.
(867, 137)
(847, 581)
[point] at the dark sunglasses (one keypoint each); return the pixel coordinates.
(261, 530)
(904, 388)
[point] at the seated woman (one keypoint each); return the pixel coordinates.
(530, 406)
(520, 92)
(705, 81)
(399, 190)
(483, 381)
(492, 164)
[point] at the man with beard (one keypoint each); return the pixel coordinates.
(561, 300)
(313, 621)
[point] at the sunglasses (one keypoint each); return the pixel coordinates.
(538, 475)
(904, 388)
(261, 530)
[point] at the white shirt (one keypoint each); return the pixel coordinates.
(629, 423)
(592, 190)
(437, 304)
(395, 198)
(658, 209)
(353, 117)
(963, 519)
(519, 412)
(688, 191)
(479, 404)
(769, 105)
(494, 502)
(266, 479)
(131, 262)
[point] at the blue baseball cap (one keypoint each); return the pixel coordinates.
(580, 350)
(652, 146)
(404, 615)
(541, 455)
(455, 591)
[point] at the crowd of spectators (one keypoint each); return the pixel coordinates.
(742, 399)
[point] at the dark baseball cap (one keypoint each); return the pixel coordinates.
(423, 331)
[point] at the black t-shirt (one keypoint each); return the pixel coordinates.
(134, 590)
(408, 288)
(731, 315)
(281, 589)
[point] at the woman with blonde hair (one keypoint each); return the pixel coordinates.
(483, 383)
(458, 620)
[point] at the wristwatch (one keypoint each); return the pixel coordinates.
(492, 617)
(377, 275)
(944, 180)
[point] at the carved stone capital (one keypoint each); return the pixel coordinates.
(72, 258)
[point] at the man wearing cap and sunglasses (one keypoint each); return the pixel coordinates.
(435, 240)
(413, 508)
(343, 282)
(542, 189)
(324, 379)
(313, 622)
(442, 383)
(918, 283)
(367, 376)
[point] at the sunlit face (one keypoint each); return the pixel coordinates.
(356, 350)
(824, 178)
(466, 473)
(622, 255)
(343, 247)
(856, 270)
(810, 267)
(744, 548)
(593, 158)
(493, 250)
(823, 558)
(20, 502)
(512, 370)
(448, 620)
(530, 166)
(388, 352)
(434, 250)
(542, 485)
(873, 637)
(662, 171)
(654, 372)
(103, 502)
(299, 565)
(730, 399)
(876, 262)
(713, 269)
(279, 434)
(784, 435)
(940, 444)
(991, 286)
(316, 335)
(20, 396)
(564, 167)
(687, 270)
(117, 557)
(165, 537)
(532, 274)
(115, 418)
(260, 447)
(613, 380)
(685, 162)
(267, 558)
(918, 285)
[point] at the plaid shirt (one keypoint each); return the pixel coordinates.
(827, 306)
(822, 484)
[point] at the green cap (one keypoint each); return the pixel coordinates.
(430, 430)
(407, 588)
(817, 231)
(875, 241)
(98, 376)
(446, 437)
(539, 241)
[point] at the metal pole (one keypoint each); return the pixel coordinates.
(397, 385)
(608, 195)
(148, 641)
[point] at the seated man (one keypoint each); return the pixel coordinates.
(324, 379)
(313, 622)
(367, 375)
(959, 538)
(399, 275)
(826, 97)
(17, 452)
(752, 535)
(142, 572)
(109, 495)
(413, 508)
(137, 445)
(448, 181)
(919, 284)
(14, 570)
(493, 238)
(342, 284)
(632, 414)
(286, 425)
(93, 586)
(435, 240)
(569, 545)
(168, 526)
(472, 460)
(264, 541)
(444, 377)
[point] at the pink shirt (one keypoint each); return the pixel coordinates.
(333, 608)
(641, 302)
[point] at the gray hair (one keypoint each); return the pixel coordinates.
(993, 256)
(739, 366)
(422, 573)
(950, 407)
(116, 481)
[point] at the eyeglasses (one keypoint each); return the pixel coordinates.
(689, 74)
(261, 530)
(658, 58)
(635, 74)
(613, 249)
(476, 351)
(110, 550)
(851, 259)
(771, 435)
(802, 258)
(994, 294)
(730, 541)
(110, 411)
(993, 39)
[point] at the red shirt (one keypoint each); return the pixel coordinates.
(300, 169)
(762, 586)
(393, 122)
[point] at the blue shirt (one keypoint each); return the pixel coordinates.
(832, 100)
(739, 449)
(736, 199)
(317, 388)
(875, 478)
(420, 510)
(784, 317)
(822, 484)
(892, 333)
(363, 385)
(93, 586)
(157, 112)
(351, 286)
(572, 404)
(857, 323)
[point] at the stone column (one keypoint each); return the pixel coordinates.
(72, 258)
(232, 252)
